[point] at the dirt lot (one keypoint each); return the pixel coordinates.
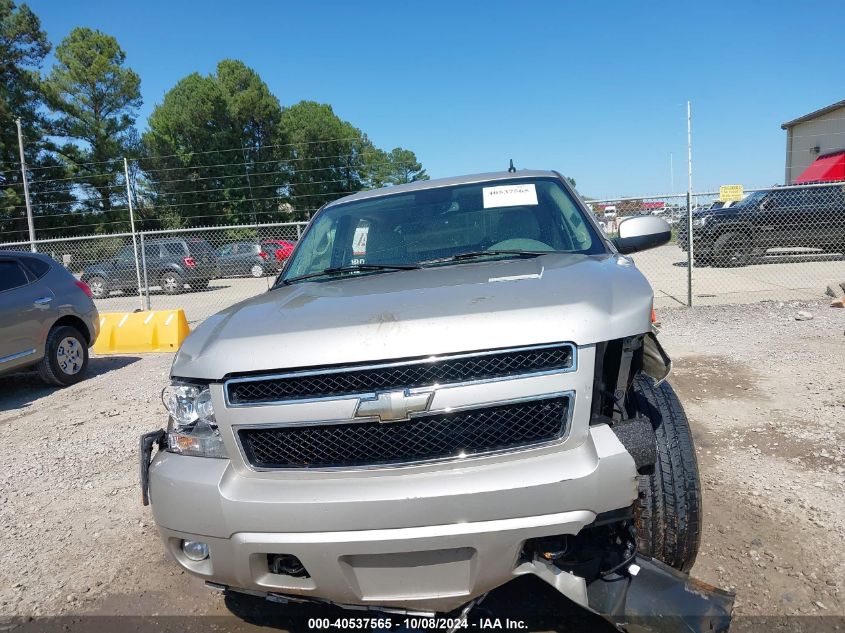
(764, 391)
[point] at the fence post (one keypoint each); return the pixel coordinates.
(132, 228)
(690, 259)
(29, 219)
(144, 264)
(298, 232)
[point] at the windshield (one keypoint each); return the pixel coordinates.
(434, 226)
(752, 199)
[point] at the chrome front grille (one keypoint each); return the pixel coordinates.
(437, 436)
(406, 374)
(406, 411)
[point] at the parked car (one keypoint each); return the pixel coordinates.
(47, 318)
(242, 258)
(171, 264)
(779, 218)
(470, 390)
(279, 251)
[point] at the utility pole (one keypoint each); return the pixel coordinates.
(672, 171)
(26, 190)
(689, 205)
(132, 228)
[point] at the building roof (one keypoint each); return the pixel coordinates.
(813, 115)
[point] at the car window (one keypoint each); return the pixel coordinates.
(38, 267)
(151, 251)
(126, 254)
(11, 275)
(228, 249)
(819, 197)
(174, 248)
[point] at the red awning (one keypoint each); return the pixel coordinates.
(824, 169)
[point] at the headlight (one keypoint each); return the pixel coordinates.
(192, 429)
(699, 222)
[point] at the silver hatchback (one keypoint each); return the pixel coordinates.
(47, 318)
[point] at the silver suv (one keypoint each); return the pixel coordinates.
(452, 383)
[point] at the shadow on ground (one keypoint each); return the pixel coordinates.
(22, 389)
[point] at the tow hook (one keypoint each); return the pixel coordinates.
(650, 597)
(148, 440)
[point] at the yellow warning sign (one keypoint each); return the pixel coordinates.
(730, 193)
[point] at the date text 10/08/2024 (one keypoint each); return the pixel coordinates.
(430, 623)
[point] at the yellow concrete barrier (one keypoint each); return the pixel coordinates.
(149, 331)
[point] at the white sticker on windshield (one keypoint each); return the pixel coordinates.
(509, 196)
(359, 240)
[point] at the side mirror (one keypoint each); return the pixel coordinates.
(641, 233)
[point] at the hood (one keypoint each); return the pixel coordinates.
(447, 309)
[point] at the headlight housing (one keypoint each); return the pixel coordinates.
(192, 429)
(699, 222)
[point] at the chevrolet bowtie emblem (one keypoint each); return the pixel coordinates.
(393, 406)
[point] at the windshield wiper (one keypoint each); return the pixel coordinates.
(339, 270)
(477, 254)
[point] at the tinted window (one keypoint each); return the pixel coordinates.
(151, 251)
(126, 254)
(38, 267)
(199, 246)
(174, 248)
(11, 275)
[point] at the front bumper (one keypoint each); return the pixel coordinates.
(427, 541)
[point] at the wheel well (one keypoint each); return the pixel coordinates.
(75, 322)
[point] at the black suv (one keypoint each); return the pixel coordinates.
(170, 263)
(787, 217)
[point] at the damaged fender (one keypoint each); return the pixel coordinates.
(656, 362)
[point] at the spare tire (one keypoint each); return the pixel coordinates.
(668, 517)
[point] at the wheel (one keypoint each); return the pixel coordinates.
(99, 286)
(171, 282)
(732, 249)
(65, 357)
(257, 270)
(669, 508)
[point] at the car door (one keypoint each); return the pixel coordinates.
(820, 230)
(125, 275)
(774, 221)
(25, 306)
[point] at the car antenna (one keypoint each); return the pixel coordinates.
(511, 169)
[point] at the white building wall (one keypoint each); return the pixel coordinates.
(827, 132)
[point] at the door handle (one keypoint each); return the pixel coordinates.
(42, 301)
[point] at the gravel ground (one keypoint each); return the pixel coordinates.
(764, 392)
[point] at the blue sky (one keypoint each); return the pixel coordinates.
(597, 90)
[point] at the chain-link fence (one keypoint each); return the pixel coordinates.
(779, 243)
(201, 270)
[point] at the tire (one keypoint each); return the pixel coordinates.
(257, 270)
(99, 286)
(732, 249)
(669, 511)
(65, 357)
(172, 282)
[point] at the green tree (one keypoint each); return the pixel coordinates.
(95, 98)
(23, 46)
(330, 157)
(396, 167)
(213, 150)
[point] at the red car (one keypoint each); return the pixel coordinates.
(278, 250)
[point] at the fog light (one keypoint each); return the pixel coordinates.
(195, 550)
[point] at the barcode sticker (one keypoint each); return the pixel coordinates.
(509, 196)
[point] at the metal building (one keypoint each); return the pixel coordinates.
(812, 135)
